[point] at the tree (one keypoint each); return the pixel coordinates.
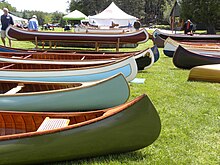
(202, 11)
(146, 10)
(7, 5)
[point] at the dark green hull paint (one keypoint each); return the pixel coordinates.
(134, 128)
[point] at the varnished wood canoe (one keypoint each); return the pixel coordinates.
(67, 73)
(187, 59)
(208, 73)
(202, 47)
(144, 58)
(139, 36)
(42, 96)
(128, 127)
(159, 38)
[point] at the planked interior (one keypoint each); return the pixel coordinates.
(62, 56)
(22, 123)
(22, 66)
(32, 87)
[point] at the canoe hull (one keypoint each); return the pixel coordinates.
(127, 67)
(207, 73)
(202, 47)
(187, 59)
(160, 37)
(100, 95)
(24, 35)
(142, 58)
(134, 128)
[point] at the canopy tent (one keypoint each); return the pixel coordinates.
(112, 14)
(17, 20)
(75, 15)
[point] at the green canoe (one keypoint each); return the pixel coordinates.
(63, 96)
(128, 127)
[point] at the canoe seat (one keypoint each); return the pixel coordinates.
(83, 58)
(15, 90)
(22, 57)
(49, 124)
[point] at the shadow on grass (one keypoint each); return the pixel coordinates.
(123, 157)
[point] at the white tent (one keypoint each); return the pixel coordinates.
(75, 15)
(112, 14)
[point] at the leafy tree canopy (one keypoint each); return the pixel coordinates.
(206, 12)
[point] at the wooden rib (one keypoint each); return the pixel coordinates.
(25, 127)
(13, 125)
(7, 66)
(38, 120)
(90, 116)
(19, 124)
(80, 119)
(2, 125)
(9, 125)
(34, 124)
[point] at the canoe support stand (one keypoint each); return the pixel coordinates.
(36, 42)
(97, 44)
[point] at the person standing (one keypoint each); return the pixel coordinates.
(33, 23)
(6, 20)
(188, 27)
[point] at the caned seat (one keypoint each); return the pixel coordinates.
(53, 123)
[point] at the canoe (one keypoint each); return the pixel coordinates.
(138, 36)
(67, 73)
(24, 138)
(90, 29)
(159, 38)
(171, 45)
(187, 59)
(208, 73)
(54, 58)
(144, 58)
(36, 96)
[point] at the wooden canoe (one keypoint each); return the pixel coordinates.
(128, 127)
(67, 73)
(144, 58)
(171, 45)
(138, 36)
(208, 73)
(159, 38)
(42, 96)
(187, 59)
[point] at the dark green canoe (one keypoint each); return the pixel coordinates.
(128, 127)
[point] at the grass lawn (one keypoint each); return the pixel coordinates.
(189, 112)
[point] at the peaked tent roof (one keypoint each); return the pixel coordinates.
(75, 15)
(113, 12)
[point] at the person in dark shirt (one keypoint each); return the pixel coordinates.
(188, 27)
(6, 20)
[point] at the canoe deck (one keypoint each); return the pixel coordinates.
(208, 73)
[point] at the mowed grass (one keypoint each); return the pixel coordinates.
(189, 113)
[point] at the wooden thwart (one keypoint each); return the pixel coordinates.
(50, 124)
(16, 89)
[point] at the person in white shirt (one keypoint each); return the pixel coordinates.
(33, 23)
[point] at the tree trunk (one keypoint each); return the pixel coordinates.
(211, 29)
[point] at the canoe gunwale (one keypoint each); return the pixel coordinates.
(114, 110)
(122, 37)
(82, 86)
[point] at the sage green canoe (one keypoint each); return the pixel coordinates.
(42, 96)
(128, 127)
